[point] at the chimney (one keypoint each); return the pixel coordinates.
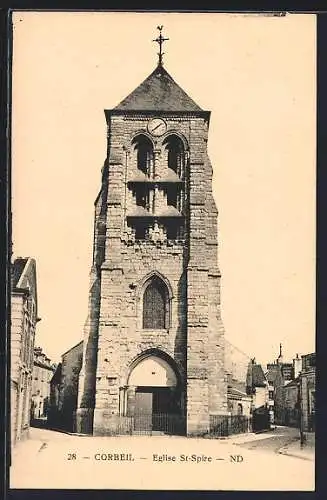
(297, 365)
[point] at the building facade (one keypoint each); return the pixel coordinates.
(291, 403)
(43, 371)
(22, 334)
(154, 339)
(308, 391)
(64, 389)
(283, 403)
(257, 388)
(236, 367)
(257, 385)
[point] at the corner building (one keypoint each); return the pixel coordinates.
(154, 339)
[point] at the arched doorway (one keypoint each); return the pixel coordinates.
(153, 395)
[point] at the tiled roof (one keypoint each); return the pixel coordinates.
(255, 376)
(158, 92)
(17, 269)
(258, 376)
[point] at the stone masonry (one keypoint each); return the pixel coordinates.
(192, 342)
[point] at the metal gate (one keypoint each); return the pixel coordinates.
(159, 423)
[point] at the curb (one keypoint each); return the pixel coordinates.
(294, 455)
(61, 431)
(284, 451)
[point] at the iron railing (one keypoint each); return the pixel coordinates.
(160, 423)
(142, 424)
(225, 425)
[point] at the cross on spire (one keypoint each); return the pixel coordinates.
(160, 40)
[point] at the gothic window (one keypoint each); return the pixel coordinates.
(144, 154)
(175, 154)
(155, 305)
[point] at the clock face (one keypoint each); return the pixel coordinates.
(157, 127)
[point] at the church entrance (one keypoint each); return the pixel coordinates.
(156, 406)
(150, 400)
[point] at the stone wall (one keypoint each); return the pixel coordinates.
(113, 335)
(246, 403)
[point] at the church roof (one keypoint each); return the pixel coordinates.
(158, 92)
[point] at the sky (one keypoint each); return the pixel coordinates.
(257, 76)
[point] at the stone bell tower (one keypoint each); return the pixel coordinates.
(154, 339)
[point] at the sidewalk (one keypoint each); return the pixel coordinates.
(294, 449)
(35, 442)
(27, 448)
(250, 436)
(247, 438)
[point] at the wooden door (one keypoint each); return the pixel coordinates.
(143, 411)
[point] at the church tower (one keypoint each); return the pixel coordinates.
(154, 339)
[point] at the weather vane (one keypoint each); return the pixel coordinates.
(160, 40)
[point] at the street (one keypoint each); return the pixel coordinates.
(273, 441)
(50, 459)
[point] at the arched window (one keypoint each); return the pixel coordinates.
(144, 154)
(239, 409)
(175, 161)
(175, 154)
(155, 305)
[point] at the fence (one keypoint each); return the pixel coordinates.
(143, 424)
(166, 423)
(225, 425)
(162, 423)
